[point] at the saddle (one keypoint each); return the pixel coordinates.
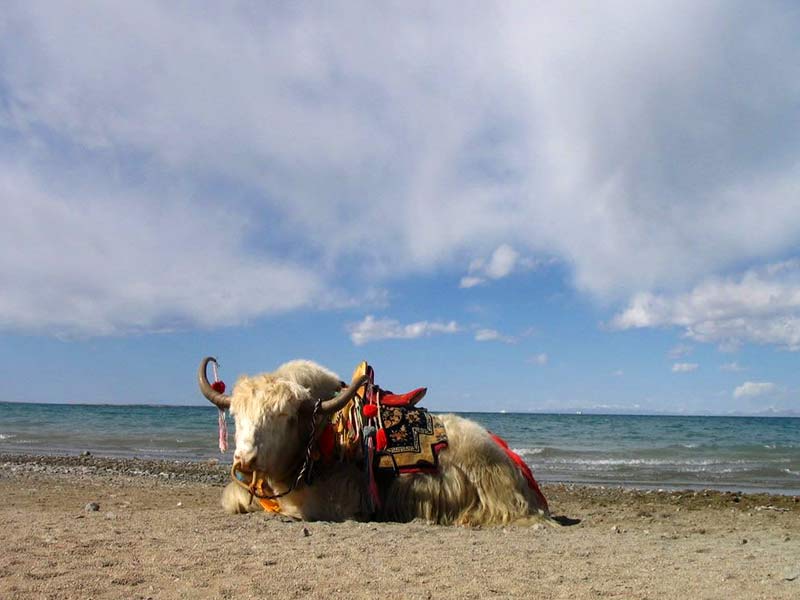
(408, 438)
(388, 398)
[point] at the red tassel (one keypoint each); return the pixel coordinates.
(326, 443)
(218, 386)
(380, 440)
(370, 411)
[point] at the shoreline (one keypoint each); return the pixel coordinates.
(678, 453)
(220, 474)
(157, 531)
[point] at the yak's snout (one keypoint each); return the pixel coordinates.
(245, 458)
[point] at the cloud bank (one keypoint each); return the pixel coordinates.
(78, 265)
(638, 144)
(761, 306)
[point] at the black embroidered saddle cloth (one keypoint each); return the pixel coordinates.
(414, 438)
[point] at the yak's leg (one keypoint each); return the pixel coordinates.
(236, 500)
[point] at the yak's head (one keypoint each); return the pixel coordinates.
(274, 413)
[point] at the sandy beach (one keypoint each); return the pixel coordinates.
(157, 532)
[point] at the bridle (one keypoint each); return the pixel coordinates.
(256, 485)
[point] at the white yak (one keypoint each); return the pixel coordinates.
(477, 482)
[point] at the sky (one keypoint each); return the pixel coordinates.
(524, 206)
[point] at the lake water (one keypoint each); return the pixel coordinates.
(736, 453)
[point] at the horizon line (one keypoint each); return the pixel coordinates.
(574, 412)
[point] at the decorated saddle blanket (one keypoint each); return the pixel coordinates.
(414, 438)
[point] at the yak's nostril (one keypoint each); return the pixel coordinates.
(245, 459)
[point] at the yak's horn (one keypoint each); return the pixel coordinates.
(223, 401)
(334, 404)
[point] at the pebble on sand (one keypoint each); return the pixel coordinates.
(92, 507)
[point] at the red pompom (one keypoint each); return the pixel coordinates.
(370, 411)
(380, 440)
(218, 386)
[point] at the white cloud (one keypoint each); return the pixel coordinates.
(310, 130)
(371, 329)
(751, 389)
(540, 359)
(760, 306)
(502, 262)
(680, 351)
(499, 265)
(469, 281)
(684, 367)
(731, 367)
(492, 335)
(82, 266)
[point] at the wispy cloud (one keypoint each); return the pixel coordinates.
(492, 335)
(752, 389)
(731, 367)
(371, 329)
(684, 367)
(540, 359)
(680, 351)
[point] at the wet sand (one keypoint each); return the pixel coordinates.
(158, 532)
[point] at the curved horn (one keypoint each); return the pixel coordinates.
(334, 404)
(222, 401)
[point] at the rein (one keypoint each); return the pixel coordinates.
(256, 486)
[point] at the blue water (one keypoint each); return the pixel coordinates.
(738, 453)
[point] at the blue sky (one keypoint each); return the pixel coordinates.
(526, 206)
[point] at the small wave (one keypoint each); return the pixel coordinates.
(643, 461)
(527, 451)
(6, 436)
(639, 465)
(790, 472)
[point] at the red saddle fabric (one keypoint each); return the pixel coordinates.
(526, 470)
(408, 399)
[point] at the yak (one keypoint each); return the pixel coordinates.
(280, 415)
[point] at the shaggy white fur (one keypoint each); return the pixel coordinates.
(477, 484)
